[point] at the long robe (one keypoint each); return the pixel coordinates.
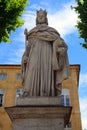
(46, 63)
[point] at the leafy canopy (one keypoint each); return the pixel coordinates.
(10, 17)
(81, 9)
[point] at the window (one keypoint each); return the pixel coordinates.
(18, 76)
(65, 97)
(67, 100)
(63, 100)
(1, 96)
(3, 76)
(19, 92)
(68, 126)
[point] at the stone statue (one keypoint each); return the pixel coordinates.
(45, 61)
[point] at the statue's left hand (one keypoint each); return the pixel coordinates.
(61, 51)
(25, 59)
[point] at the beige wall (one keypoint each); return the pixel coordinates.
(12, 83)
(72, 85)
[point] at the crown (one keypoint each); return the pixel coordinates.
(42, 11)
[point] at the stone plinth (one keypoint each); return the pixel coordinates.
(40, 101)
(39, 117)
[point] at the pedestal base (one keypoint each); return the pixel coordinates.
(39, 117)
(38, 101)
(38, 124)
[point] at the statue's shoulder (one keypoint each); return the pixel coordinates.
(27, 33)
(51, 29)
(33, 30)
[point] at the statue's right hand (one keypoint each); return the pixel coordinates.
(25, 59)
(25, 31)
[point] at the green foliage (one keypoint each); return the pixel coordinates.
(81, 9)
(10, 17)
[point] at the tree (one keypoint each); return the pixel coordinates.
(10, 17)
(81, 9)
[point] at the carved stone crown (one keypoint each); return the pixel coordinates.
(41, 11)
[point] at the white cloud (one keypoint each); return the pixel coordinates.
(83, 80)
(63, 21)
(83, 99)
(83, 107)
(29, 18)
(35, 6)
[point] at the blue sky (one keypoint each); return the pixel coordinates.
(63, 19)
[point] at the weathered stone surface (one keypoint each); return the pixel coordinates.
(21, 101)
(39, 117)
(45, 61)
(38, 124)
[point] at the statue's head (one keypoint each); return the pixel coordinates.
(41, 17)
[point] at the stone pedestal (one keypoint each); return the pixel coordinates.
(42, 117)
(38, 101)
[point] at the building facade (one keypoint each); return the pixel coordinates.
(10, 87)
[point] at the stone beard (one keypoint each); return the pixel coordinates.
(45, 61)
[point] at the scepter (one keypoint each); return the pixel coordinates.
(26, 33)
